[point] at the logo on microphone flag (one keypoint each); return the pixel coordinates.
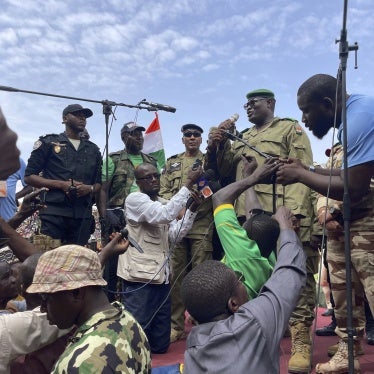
(153, 144)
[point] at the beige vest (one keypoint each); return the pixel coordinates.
(152, 265)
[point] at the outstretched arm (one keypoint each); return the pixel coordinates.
(230, 193)
(358, 179)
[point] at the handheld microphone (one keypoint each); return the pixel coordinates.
(166, 108)
(125, 235)
(207, 184)
(234, 117)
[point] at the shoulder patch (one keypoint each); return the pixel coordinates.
(37, 144)
(175, 167)
(298, 129)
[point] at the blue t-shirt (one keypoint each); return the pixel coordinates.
(360, 130)
(8, 206)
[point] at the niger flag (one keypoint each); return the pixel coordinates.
(153, 144)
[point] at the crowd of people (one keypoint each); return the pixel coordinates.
(226, 234)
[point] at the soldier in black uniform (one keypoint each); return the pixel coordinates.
(70, 167)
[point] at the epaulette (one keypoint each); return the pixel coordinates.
(174, 156)
(289, 119)
(115, 153)
(47, 135)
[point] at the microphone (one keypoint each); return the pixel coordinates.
(234, 117)
(125, 235)
(166, 108)
(207, 184)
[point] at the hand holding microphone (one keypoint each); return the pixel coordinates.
(219, 135)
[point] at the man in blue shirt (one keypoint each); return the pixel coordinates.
(8, 196)
(316, 99)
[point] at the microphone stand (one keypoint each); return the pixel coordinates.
(344, 49)
(107, 110)
(263, 154)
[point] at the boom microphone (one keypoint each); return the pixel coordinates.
(166, 108)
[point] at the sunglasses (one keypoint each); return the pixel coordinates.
(188, 134)
(149, 178)
(251, 103)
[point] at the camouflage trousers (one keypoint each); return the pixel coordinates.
(193, 251)
(362, 276)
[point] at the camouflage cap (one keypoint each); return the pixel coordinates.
(67, 268)
(261, 92)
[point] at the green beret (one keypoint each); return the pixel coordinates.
(262, 92)
(191, 126)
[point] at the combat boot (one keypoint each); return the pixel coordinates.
(300, 351)
(359, 349)
(339, 363)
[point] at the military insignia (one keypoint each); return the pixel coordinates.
(175, 167)
(37, 144)
(57, 146)
(298, 130)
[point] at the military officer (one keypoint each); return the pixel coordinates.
(70, 167)
(277, 137)
(196, 246)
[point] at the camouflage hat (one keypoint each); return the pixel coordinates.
(67, 268)
(262, 92)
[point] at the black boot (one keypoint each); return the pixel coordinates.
(369, 327)
(328, 330)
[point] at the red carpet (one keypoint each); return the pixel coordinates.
(176, 351)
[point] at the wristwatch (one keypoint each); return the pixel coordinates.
(312, 168)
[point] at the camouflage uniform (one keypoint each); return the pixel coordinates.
(122, 177)
(110, 341)
(196, 246)
(283, 138)
(362, 254)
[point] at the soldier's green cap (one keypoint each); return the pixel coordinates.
(261, 92)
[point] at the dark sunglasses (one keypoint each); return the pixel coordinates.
(149, 178)
(251, 103)
(188, 134)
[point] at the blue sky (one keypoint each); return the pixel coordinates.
(199, 56)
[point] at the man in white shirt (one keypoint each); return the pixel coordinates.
(151, 222)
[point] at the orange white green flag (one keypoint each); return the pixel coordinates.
(153, 144)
